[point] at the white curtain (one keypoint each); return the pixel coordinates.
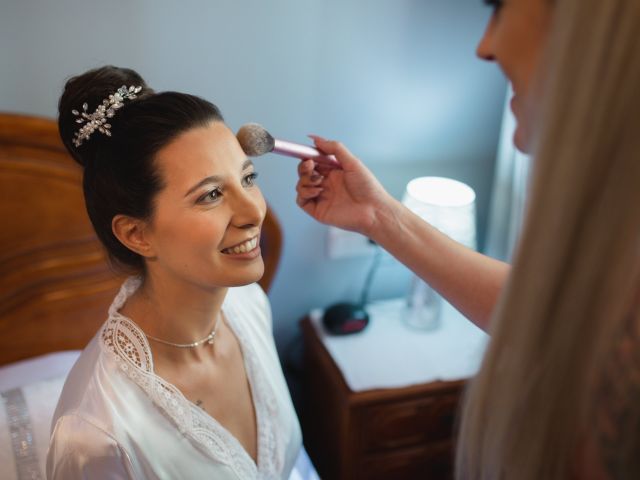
(509, 192)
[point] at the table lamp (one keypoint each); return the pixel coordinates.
(449, 206)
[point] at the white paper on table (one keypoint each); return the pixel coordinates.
(390, 354)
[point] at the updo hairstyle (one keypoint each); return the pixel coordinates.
(120, 174)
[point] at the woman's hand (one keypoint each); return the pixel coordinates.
(349, 198)
(352, 198)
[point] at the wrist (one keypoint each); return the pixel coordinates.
(384, 216)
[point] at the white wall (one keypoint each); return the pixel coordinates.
(396, 80)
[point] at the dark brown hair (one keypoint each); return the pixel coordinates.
(120, 175)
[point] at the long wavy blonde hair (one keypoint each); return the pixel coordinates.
(558, 393)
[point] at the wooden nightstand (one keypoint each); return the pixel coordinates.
(388, 433)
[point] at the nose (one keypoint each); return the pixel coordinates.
(249, 209)
(484, 50)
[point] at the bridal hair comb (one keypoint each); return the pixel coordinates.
(98, 119)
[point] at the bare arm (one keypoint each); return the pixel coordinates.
(353, 199)
(469, 280)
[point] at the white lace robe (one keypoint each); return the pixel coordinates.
(117, 419)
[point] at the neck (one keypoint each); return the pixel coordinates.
(175, 311)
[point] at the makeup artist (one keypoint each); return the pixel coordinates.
(558, 393)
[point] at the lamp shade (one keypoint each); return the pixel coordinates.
(447, 204)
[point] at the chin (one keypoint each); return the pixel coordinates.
(247, 278)
(521, 140)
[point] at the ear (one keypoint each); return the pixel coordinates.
(133, 234)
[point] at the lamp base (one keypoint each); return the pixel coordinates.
(423, 307)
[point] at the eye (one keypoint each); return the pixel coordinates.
(250, 180)
(211, 196)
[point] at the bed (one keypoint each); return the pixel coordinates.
(55, 287)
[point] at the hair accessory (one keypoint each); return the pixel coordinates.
(98, 119)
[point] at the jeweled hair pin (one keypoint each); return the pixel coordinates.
(98, 119)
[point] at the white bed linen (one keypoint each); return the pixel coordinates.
(29, 391)
(36, 369)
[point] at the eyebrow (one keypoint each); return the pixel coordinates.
(215, 178)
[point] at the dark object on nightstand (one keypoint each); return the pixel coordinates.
(343, 318)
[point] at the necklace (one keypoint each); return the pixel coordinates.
(208, 339)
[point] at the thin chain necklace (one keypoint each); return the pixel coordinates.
(208, 339)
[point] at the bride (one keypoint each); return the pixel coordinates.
(183, 379)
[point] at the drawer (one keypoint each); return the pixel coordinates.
(405, 423)
(434, 462)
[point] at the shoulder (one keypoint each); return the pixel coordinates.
(80, 380)
(82, 448)
(81, 434)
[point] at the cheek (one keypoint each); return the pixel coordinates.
(196, 233)
(530, 44)
(510, 53)
(516, 47)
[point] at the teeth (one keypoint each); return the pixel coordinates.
(243, 247)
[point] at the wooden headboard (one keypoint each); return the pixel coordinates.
(55, 281)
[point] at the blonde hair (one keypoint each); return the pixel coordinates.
(565, 309)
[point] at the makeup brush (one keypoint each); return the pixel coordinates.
(256, 141)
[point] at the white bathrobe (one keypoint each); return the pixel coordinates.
(117, 419)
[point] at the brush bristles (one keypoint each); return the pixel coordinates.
(255, 140)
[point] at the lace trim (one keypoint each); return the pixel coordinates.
(127, 345)
(271, 448)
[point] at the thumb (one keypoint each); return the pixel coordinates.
(347, 160)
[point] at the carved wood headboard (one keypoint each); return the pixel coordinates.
(55, 281)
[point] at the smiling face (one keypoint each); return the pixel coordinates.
(515, 39)
(206, 224)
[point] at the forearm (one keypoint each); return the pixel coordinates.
(469, 280)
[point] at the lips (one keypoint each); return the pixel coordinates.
(244, 247)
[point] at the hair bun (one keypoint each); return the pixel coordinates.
(92, 88)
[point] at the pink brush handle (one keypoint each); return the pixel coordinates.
(303, 151)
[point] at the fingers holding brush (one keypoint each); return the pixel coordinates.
(309, 184)
(309, 173)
